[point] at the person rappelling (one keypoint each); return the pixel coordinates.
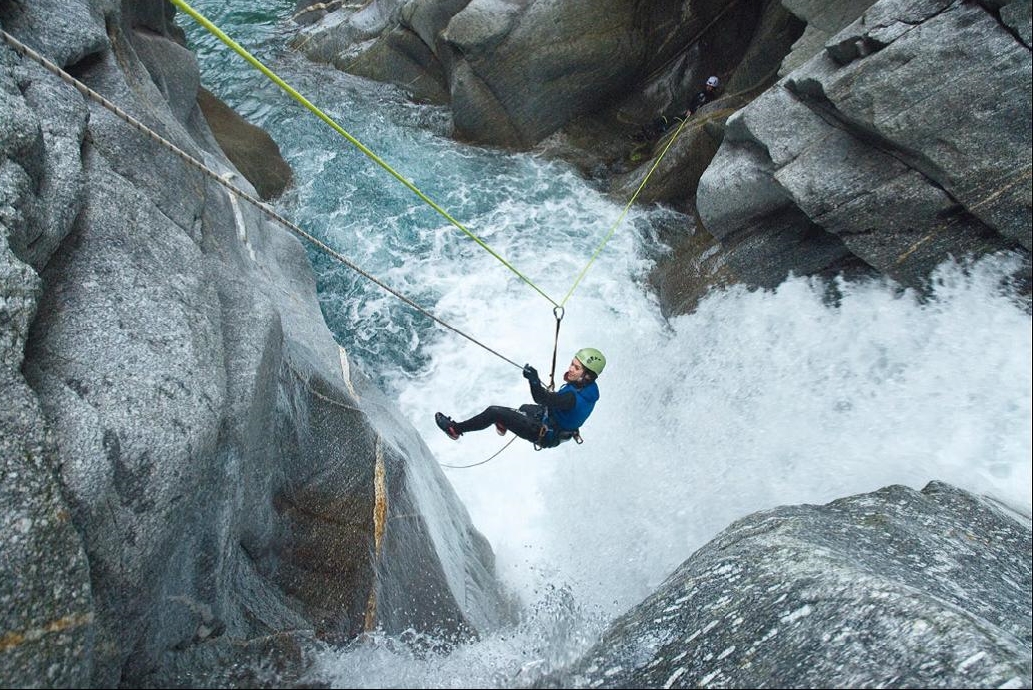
(554, 418)
(704, 96)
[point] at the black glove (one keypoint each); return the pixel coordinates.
(531, 374)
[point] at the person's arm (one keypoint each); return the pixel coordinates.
(694, 105)
(557, 401)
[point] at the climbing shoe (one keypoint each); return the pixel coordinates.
(446, 424)
(499, 429)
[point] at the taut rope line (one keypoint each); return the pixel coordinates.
(218, 33)
(26, 51)
(620, 218)
(233, 45)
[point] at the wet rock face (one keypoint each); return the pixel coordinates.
(189, 463)
(893, 588)
(514, 73)
(905, 140)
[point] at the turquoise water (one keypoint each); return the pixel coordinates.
(537, 215)
(758, 399)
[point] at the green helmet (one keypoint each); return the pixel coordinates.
(592, 359)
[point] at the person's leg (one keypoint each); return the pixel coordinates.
(513, 420)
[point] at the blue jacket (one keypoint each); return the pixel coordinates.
(567, 408)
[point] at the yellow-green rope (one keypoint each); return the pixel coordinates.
(218, 33)
(620, 219)
(86, 91)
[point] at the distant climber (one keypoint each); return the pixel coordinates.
(556, 417)
(707, 94)
(649, 133)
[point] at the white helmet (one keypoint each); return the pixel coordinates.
(713, 81)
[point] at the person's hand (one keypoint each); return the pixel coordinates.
(531, 374)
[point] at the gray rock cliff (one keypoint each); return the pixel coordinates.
(895, 145)
(194, 475)
(896, 588)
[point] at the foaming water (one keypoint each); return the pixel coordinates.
(757, 399)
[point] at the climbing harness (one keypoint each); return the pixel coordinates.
(557, 437)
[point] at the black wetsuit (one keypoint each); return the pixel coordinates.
(562, 411)
(701, 99)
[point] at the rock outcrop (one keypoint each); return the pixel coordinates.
(251, 150)
(896, 145)
(194, 475)
(516, 73)
(894, 588)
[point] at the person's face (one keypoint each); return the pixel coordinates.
(575, 372)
